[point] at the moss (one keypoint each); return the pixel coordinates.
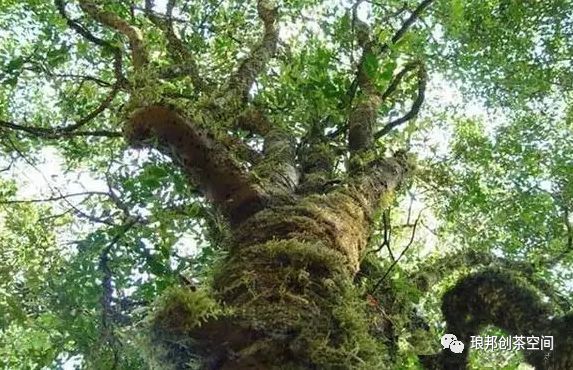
(289, 304)
(496, 296)
(299, 299)
(336, 219)
(177, 313)
(180, 309)
(350, 346)
(288, 283)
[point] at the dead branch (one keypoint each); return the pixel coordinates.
(395, 262)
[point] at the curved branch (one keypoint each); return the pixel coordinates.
(138, 52)
(105, 103)
(496, 297)
(176, 47)
(82, 78)
(399, 77)
(219, 176)
(120, 80)
(362, 118)
(254, 121)
(414, 110)
(85, 33)
(254, 64)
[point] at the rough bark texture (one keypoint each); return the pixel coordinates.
(208, 163)
(288, 284)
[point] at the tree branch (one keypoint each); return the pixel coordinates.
(56, 133)
(108, 311)
(97, 81)
(54, 198)
(415, 109)
(84, 32)
(253, 65)
(97, 111)
(138, 52)
(395, 262)
(120, 80)
(277, 168)
(362, 118)
(186, 63)
(410, 21)
(209, 164)
(496, 297)
(254, 121)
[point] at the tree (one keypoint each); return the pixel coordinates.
(286, 139)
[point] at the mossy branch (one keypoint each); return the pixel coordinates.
(184, 60)
(255, 63)
(205, 159)
(317, 157)
(138, 51)
(277, 169)
(362, 119)
(495, 297)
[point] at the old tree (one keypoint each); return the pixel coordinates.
(297, 184)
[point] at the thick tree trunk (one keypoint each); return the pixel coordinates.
(284, 298)
(285, 290)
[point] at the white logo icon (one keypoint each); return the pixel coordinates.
(451, 341)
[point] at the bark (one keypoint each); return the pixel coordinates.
(287, 286)
(204, 158)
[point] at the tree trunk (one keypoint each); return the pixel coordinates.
(284, 296)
